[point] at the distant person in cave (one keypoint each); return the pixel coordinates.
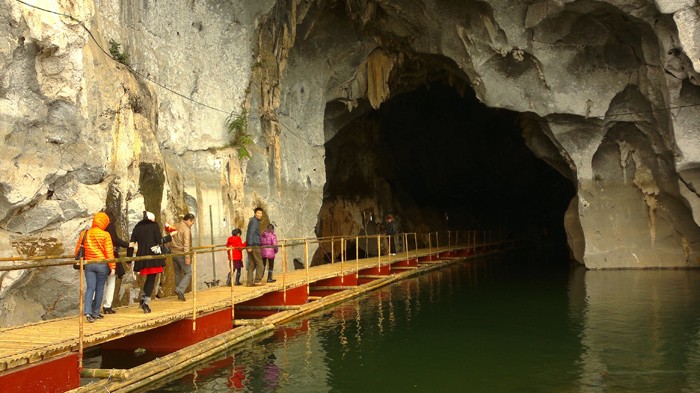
(269, 239)
(181, 245)
(146, 235)
(112, 278)
(97, 245)
(254, 270)
(234, 246)
(391, 231)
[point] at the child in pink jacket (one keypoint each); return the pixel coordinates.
(268, 238)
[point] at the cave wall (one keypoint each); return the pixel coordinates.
(578, 69)
(78, 127)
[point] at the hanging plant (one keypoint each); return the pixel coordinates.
(117, 54)
(237, 127)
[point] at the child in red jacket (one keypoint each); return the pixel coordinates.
(234, 246)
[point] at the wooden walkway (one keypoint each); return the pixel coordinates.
(40, 341)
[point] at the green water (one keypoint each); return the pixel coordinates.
(507, 324)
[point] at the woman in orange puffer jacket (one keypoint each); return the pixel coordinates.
(98, 245)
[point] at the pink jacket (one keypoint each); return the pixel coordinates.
(268, 238)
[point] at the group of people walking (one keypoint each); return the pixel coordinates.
(260, 247)
(101, 242)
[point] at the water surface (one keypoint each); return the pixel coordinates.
(508, 324)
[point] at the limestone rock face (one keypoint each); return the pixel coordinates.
(608, 91)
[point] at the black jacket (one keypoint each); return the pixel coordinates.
(147, 234)
(116, 241)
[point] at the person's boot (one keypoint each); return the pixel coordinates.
(269, 276)
(228, 279)
(238, 277)
(144, 305)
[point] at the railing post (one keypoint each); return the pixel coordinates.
(415, 239)
(437, 242)
(342, 260)
(229, 252)
(332, 249)
(430, 246)
(306, 261)
(194, 290)
(379, 253)
(389, 250)
(357, 257)
(405, 243)
(284, 270)
(80, 314)
(211, 236)
(449, 238)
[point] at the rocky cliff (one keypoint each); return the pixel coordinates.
(123, 105)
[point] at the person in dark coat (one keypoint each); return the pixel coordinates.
(255, 266)
(147, 236)
(112, 279)
(392, 232)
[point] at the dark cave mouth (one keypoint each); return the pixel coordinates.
(441, 160)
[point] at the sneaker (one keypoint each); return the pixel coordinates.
(108, 310)
(145, 308)
(89, 318)
(238, 284)
(98, 316)
(180, 296)
(270, 280)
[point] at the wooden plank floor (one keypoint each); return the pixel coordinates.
(43, 340)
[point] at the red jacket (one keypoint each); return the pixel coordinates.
(98, 243)
(233, 254)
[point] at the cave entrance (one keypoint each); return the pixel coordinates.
(436, 159)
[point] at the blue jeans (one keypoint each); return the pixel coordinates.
(183, 273)
(95, 278)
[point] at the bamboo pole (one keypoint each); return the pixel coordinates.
(194, 291)
(105, 373)
(160, 368)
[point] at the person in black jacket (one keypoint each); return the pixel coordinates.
(112, 279)
(147, 236)
(392, 232)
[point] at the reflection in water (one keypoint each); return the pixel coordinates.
(639, 329)
(489, 326)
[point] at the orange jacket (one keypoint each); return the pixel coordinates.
(98, 243)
